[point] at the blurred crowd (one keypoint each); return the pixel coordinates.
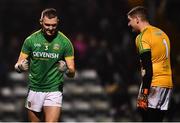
(100, 35)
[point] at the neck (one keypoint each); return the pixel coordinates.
(50, 38)
(144, 25)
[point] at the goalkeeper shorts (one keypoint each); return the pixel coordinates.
(36, 100)
(159, 98)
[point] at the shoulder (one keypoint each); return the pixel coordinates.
(157, 31)
(147, 32)
(146, 35)
(143, 35)
(137, 37)
(64, 37)
(34, 34)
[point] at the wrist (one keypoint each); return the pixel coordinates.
(17, 68)
(145, 91)
(70, 73)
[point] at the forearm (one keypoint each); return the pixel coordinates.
(142, 101)
(147, 66)
(70, 68)
(67, 67)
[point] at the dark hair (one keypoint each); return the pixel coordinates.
(49, 12)
(139, 11)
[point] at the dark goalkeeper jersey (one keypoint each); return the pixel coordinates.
(44, 56)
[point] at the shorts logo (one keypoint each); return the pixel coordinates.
(29, 104)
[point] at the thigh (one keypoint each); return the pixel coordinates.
(34, 116)
(52, 106)
(52, 113)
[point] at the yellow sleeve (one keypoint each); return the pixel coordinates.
(69, 57)
(22, 56)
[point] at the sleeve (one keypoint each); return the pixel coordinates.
(147, 66)
(26, 48)
(143, 42)
(69, 50)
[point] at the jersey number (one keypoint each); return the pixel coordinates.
(46, 47)
(166, 46)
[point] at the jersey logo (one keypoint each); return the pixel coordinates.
(56, 47)
(37, 45)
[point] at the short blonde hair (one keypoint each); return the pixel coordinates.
(139, 11)
(49, 12)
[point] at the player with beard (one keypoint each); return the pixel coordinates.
(47, 54)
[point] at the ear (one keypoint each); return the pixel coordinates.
(137, 20)
(40, 21)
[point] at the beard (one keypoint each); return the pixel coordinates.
(49, 34)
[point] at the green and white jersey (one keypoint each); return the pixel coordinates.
(44, 75)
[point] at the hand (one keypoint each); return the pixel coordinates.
(142, 101)
(143, 72)
(22, 66)
(62, 66)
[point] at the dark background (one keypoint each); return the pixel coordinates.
(107, 79)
